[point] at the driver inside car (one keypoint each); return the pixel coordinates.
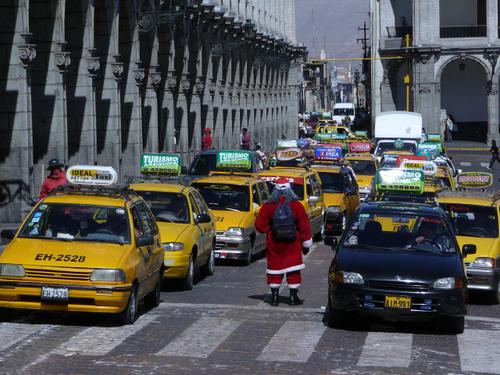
(432, 231)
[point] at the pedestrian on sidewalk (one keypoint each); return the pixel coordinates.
(206, 141)
(56, 178)
(449, 129)
(494, 154)
(288, 236)
(245, 139)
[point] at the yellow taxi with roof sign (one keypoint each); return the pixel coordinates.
(89, 247)
(340, 188)
(365, 167)
(186, 224)
(234, 199)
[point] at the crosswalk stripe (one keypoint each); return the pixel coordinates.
(386, 349)
(465, 164)
(12, 333)
(294, 342)
(201, 338)
(98, 341)
(479, 351)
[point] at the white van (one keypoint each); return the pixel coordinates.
(341, 110)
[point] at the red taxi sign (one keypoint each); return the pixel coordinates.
(288, 154)
(360, 147)
(292, 180)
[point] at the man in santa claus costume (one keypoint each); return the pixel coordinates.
(284, 252)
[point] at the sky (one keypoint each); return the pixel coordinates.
(332, 24)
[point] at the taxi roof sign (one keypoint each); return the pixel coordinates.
(474, 180)
(428, 167)
(287, 143)
(326, 153)
(234, 160)
(161, 164)
(399, 180)
(325, 137)
(360, 147)
(91, 175)
(289, 154)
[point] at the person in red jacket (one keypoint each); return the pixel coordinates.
(206, 141)
(56, 177)
(284, 257)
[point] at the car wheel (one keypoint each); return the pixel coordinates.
(453, 324)
(153, 298)
(249, 257)
(318, 236)
(493, 297)
(188, 281)
(209, 268)
(5, 315)
(129, 315)
(335, 318)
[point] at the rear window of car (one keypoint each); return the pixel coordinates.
(473, 221)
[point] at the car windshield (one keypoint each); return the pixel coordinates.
(473, 221)
(225, 197)
(297, 188)
(389, 161)
(389, 146)
(343, 112)
(167, 207)
(363, 167)
(74, 222)
(402, 232)
(331, 182)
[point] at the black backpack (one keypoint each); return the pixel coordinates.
(283, 225)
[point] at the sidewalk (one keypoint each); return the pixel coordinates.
(466, 146)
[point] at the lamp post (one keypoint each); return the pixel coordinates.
(357, 76)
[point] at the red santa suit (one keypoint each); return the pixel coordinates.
(284, 257)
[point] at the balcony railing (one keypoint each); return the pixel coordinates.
(399, 31)
(474, 31)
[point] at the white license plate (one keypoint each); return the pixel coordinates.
(54, 294)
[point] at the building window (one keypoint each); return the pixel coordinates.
(462, 18)
(402, 12)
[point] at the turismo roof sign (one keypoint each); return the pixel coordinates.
(91, 175)
(399, 180)
(161, 164)
(234, 160)
(474, 180)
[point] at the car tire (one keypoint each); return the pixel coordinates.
(130, 313)
(153, 299)
(318, 236)
(248, 260)
(209, 268)
(453, 324)
(188, 281)
(335, 318)
(5, 315)
(492, 298)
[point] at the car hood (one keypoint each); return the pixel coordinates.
(485, 247)
(54, 253)
(228, 219)
(170, 232)
(334, 199)
(364, 181)
(407, 265)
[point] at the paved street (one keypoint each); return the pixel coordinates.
(223, 326)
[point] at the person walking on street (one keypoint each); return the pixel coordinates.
(245, 139)
(494, 154)
(56, 178)
(288, 236)
(206, 141)
(449, 129)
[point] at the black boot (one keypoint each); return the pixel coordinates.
(294, 298)
(275, 298)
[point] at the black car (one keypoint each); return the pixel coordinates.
(398, 261)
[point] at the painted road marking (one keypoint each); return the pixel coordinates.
(201, 339)
(100, 341)
(465, 164)
(13, 333)
(386, 349)
(479, 351)
(294, 342)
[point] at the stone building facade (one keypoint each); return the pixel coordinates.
(102, 81)
(449, 52)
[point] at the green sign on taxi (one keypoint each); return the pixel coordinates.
(234, 160)
(399, 180)
(161, 164)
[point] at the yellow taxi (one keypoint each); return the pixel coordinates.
(306, 184)
(186, 226)
(91, 247)
(365, 167)
(475, 215)
(235, 201)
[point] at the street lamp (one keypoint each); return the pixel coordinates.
(357, 76)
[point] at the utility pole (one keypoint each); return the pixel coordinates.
(366, 66)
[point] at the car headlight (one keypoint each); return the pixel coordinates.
(447, 283)
(235, 232)
(108, 275)
(173, 246)
(13, 270)
(483, 263)
(349, 278)
(333, 210)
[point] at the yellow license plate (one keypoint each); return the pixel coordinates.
(398, 302)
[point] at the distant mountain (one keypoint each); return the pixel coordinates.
(331, 23)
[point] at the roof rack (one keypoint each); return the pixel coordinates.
(425, 198)
(181, 180)
(120, 190)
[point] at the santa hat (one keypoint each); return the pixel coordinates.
(282, 184)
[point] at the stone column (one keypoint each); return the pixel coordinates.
(493, 111)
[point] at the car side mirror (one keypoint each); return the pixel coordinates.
(8, 234)
(203, 219)
(331, 241)
(313, 200)
(468, 250)
(145, 241)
